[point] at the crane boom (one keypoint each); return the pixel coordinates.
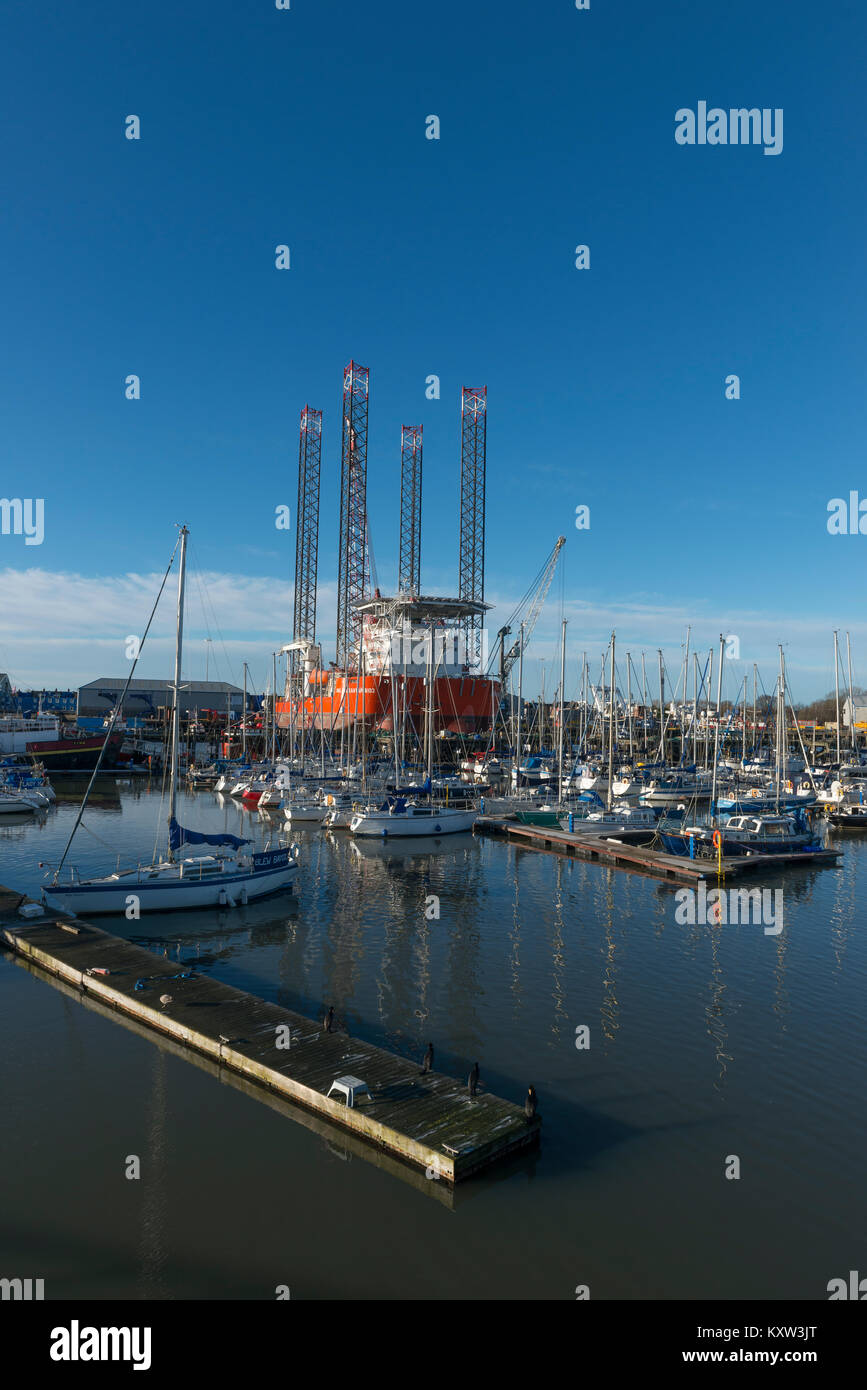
(535, 598)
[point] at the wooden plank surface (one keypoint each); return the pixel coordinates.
(610, 851)
(421, 1118)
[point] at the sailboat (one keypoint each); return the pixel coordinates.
(397, 817)
(207, 880)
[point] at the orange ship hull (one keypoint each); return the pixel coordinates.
(462, 704)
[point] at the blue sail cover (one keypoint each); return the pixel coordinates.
(593, 797)
(179, 836)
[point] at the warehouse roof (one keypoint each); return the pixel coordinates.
(118, 683)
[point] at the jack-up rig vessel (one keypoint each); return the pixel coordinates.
(397, 658)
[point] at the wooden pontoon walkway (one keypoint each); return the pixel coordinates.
(428, 1121)
(640, 857)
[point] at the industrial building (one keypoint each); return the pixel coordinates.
(145, 698)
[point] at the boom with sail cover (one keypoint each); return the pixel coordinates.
(178, 836)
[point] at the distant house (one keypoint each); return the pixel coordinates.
(860, 714)
(147, 697)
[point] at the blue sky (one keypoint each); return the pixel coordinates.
(606, 386)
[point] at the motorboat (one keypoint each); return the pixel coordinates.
(400, 818)
(670, 791)
(304, 812)
(744, 834)
(18, 782)
(339, 810)
(849, 814)
(16, 803)
(617, 821)
(271, 799)
(762, 834)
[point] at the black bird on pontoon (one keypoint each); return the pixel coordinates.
(329, 1020)
(530, 1103)
(427, 1060)
(473, 1079)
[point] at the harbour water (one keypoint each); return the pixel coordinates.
(704, 1043)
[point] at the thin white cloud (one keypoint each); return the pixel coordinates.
(64, 628)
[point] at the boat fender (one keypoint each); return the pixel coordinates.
(243, 897)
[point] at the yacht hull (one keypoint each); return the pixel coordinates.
(222, 890)
(380, 825)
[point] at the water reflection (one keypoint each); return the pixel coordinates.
(699, 1027)
(152, 1249)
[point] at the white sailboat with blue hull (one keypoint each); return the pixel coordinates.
(206, 880)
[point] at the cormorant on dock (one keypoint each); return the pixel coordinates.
(473, 1079)
(427, 1061)
(328, 1022)
(530, 1103)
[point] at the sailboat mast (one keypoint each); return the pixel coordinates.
(392, 682)
(273, 709)
(244, 718)
(520, 730)
(716, 725)
(744, 725)
(707, 720)
(683, 699)
(176, 712)
(853, 744)
(612, 729)
(781, 728)
(837, 694)
(644, 697)
(430, 700)
(694, 728)
(661, 709)
(562, 711)
(629, 700)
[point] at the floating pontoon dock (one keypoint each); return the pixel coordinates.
(639, 857)
(428, 1121)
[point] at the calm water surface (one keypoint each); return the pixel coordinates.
(704, 1043)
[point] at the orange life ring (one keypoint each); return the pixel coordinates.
(717, 839)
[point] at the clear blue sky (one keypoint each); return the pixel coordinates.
(455, 257)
